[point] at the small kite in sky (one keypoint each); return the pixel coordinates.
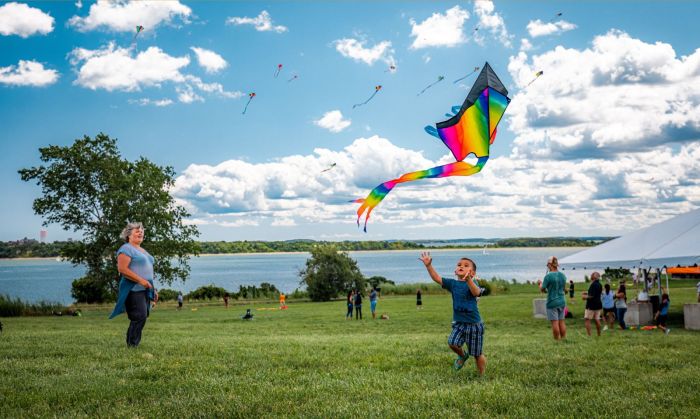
(440, 78)
(376, 90)
(279, 68)
(139, 29)
(391, 68)
(555, 17)
(250, 98)
(294, 77)
(471, 130)
(329, 168)
(460, 79)
(537, 75)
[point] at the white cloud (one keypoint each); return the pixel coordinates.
(525, 45)
(621, 95)
(440, 30)
(27, 73)
(124, 16)
(510, 193)
(151, 102)
(491, 21)
(79, 4)
(538, 28)
(262, 22)
(24, 21)
(333, 121)
(186, 94)
(209, 60)
(215, 88)
(355, 49)
(113, 68)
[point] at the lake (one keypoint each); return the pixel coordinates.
(50, 280)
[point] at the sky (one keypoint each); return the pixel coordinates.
(604, 142)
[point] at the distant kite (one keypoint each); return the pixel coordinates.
(279, 68)
(462, 78)
(537, 75)
(555, 17)
(471, 130)
(294, 77)
(139, 29)
(376, 90)
(391, 68)
(440, 78)
(329, 168)
(250, 98)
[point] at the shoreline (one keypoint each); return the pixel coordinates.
(426, 249)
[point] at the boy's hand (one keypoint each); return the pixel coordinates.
(426, 258)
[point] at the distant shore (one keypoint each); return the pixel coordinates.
(427, 249)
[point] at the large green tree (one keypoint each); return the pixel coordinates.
(90, 189)
(329, 273)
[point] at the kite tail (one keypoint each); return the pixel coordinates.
(246, 106)
(377, 194)
(366, 101)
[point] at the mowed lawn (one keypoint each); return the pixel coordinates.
(309, 361)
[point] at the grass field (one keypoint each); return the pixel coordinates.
(309, 361)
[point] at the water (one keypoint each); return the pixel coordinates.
(47, 279)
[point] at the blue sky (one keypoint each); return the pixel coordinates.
(604, 142)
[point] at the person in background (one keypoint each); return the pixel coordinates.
(608, 300)
(373, 302)
(554, 284)
(179, 300)
(621, 305)
(419, 299)
(594, 306)
(698, 289)
(358, 305)
(571, 289)
(350, 300)
(226, 297)
(662, 315)
(283, 301)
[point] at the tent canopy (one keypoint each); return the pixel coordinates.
(673, 242)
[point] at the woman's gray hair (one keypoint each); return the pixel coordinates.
(128, 229)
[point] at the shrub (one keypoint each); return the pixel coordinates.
(265, 290)
(329, 273)
(16, 308)
(166, 294)
(207, 292)
(486, 285)
(377, 281)
(90, 290)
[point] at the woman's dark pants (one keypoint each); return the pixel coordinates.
(358, 311)
(137, 310)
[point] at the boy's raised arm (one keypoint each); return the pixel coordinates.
(428, 262)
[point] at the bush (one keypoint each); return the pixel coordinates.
(166, 294)
(207, 292)
(265, 290)
(91, 290)
(16, 308)
(377, 281)
(486, 285)
(499, 286)
(410, 289)
(299, 294)
(329, 273)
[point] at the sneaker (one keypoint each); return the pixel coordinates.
(458, 365)
(605, 328)
(668, 331)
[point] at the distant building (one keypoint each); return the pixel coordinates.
(42, 235)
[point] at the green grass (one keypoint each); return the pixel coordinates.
(309, 361)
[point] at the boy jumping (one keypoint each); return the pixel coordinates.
(466, 321)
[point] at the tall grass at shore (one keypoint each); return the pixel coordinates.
(15, 307)
(308, 361)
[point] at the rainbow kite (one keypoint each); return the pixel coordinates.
(471, 130)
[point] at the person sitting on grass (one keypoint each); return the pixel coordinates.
(553, 284)
(662, 315)
(248, 315)
(466, 321)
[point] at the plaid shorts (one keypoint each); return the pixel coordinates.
(470, 333)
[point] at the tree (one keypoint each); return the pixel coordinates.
(329, 273)
(90, 189)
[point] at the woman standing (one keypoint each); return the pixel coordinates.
(349, 302)
(136, 289)
(621, 305)
(554, 284)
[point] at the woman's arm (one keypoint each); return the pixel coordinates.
(428, 262)
(123, 268)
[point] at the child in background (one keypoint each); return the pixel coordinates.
(419, 299)
(662, 315)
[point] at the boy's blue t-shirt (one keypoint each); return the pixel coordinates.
(464, 307)
(664, 307)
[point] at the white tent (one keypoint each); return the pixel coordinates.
(672, 242)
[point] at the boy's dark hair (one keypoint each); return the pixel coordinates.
(664, 296)
(472, 262)
(607, 287)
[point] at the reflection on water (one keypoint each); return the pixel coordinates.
(48, 279)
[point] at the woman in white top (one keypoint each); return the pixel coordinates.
(621, 305)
